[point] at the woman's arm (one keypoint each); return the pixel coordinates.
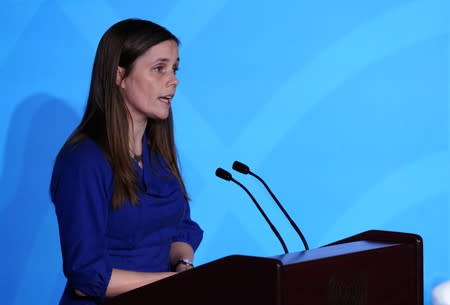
(178, 251)
(186, 241)
(123, 280)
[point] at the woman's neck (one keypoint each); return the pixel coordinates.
(137, 130)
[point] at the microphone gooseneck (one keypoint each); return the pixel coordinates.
(225, 175)
(244, 169)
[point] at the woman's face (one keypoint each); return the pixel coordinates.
(150, 86)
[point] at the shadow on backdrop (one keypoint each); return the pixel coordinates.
(38, 128)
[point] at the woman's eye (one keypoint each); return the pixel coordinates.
(158, 69)
(175, 70)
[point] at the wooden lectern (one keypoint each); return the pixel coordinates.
(371, 268)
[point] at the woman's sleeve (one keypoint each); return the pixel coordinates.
(189, 231)
(79, 190)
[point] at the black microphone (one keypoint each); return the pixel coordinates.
(244, 169)
(225, 175)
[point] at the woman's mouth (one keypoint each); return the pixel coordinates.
(166, 99)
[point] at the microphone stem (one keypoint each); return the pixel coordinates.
(275, 231)
(293, 224)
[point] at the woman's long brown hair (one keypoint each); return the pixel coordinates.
(106, 118)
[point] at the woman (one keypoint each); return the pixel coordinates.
(120, 201)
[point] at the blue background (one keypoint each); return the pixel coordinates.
(342, 106)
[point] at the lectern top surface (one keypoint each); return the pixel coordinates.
(331, 251)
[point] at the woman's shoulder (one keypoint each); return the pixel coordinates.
(81, 163)
(85, 153)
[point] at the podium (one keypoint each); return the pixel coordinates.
(370, 268)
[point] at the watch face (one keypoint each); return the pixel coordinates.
(185, 261)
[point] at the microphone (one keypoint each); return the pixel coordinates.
(225, 175)
(244, 169)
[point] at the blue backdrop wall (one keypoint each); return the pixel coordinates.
(342, 106)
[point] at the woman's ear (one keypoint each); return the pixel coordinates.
(120, 77)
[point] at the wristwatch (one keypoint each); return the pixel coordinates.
(184, 261)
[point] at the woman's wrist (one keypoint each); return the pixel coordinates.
(183, 265)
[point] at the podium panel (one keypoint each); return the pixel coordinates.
(371, 268)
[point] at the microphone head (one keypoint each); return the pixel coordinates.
(223, 174)
(241, 167)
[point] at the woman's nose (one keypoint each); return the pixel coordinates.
(173, 80)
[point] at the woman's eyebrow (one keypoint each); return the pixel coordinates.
(165, 59)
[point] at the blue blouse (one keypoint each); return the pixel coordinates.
(95, 238)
